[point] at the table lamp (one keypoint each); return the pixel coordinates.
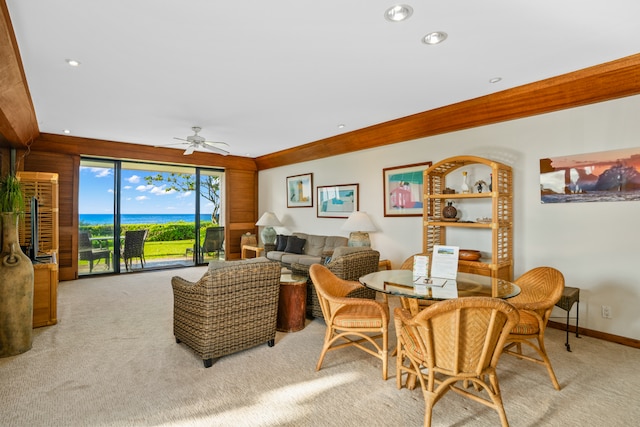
(359, 224)
(268, 220)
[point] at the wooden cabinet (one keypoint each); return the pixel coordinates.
(487, 217)
(44, 187)
(45, 294)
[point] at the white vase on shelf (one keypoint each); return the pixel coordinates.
(465, 185)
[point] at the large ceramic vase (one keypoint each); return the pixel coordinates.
(16, 291)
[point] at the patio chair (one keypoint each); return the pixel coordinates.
(213, 241)
(134, 247)
(455, 341)
(86, 252)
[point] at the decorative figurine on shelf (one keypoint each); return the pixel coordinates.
(479, 185)
(490, 182)
(465, 186)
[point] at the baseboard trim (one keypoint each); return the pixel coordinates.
(597, 334)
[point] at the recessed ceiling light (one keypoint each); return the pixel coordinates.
(495, 80)
(341, 126)
(73, 62)
(398, 13)
(434, 37)
(66, 131)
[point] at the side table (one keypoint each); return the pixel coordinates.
(568, 298)
(292, 303)
(257, 249)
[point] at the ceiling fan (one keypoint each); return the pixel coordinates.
(196, 142)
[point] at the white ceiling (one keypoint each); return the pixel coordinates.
(264, 76)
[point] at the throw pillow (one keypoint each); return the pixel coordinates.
(295, 245)
(281, 242)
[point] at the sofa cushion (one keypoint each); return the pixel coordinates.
(315, 245)
(332, 242)
(281, 242)
(295, 245)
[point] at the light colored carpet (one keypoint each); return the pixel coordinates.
(112, 361)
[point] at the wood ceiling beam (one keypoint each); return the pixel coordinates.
(73, 145)
(600, 83)
(18, 124)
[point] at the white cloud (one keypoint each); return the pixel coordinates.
(144, 187)
(134, 179)
(110, 190)
(140, 198)
(127, 187)
(101, 172)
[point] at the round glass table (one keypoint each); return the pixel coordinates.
(401, 283)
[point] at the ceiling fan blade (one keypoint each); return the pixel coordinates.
(214, 149)
(177, 144)
(181, 139)
(218, 144)
(190, 149)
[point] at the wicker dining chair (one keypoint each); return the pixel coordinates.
(349, 266)
(456, 341)
(540, 289)
(134, 247)
(359, 322)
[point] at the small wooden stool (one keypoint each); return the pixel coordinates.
(569, 297)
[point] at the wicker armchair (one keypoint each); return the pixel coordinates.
(452, 342)
(541, 288)
(231, 308)
(357, 322)
(133, 247)
(350, 266)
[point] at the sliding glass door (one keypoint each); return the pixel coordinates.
(139, 216)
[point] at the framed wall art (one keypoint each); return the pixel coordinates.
(337, 201)
(403, 189)
(606, 176)
(300, 191)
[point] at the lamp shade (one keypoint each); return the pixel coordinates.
(268, 220)
(359, 224)
(358, 221)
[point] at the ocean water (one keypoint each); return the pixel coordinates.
(96, 219)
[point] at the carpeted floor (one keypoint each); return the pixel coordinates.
(112, 361)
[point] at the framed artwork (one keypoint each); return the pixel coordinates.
(606, 176)
(403, 189)
(337, 201)
(300, 191)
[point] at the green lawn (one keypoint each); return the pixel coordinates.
(167, 249)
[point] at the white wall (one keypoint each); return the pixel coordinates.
(595, 245)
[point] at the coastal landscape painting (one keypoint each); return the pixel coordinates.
(606, 176)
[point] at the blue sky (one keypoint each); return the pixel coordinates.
(96, 194)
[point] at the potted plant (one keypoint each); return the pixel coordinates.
(16, 275)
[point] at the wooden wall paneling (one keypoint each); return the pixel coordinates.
(241, 206)
(67, 167)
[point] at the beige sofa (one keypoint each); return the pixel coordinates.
(311, 251)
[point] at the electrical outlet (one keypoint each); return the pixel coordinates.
(606, 312)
